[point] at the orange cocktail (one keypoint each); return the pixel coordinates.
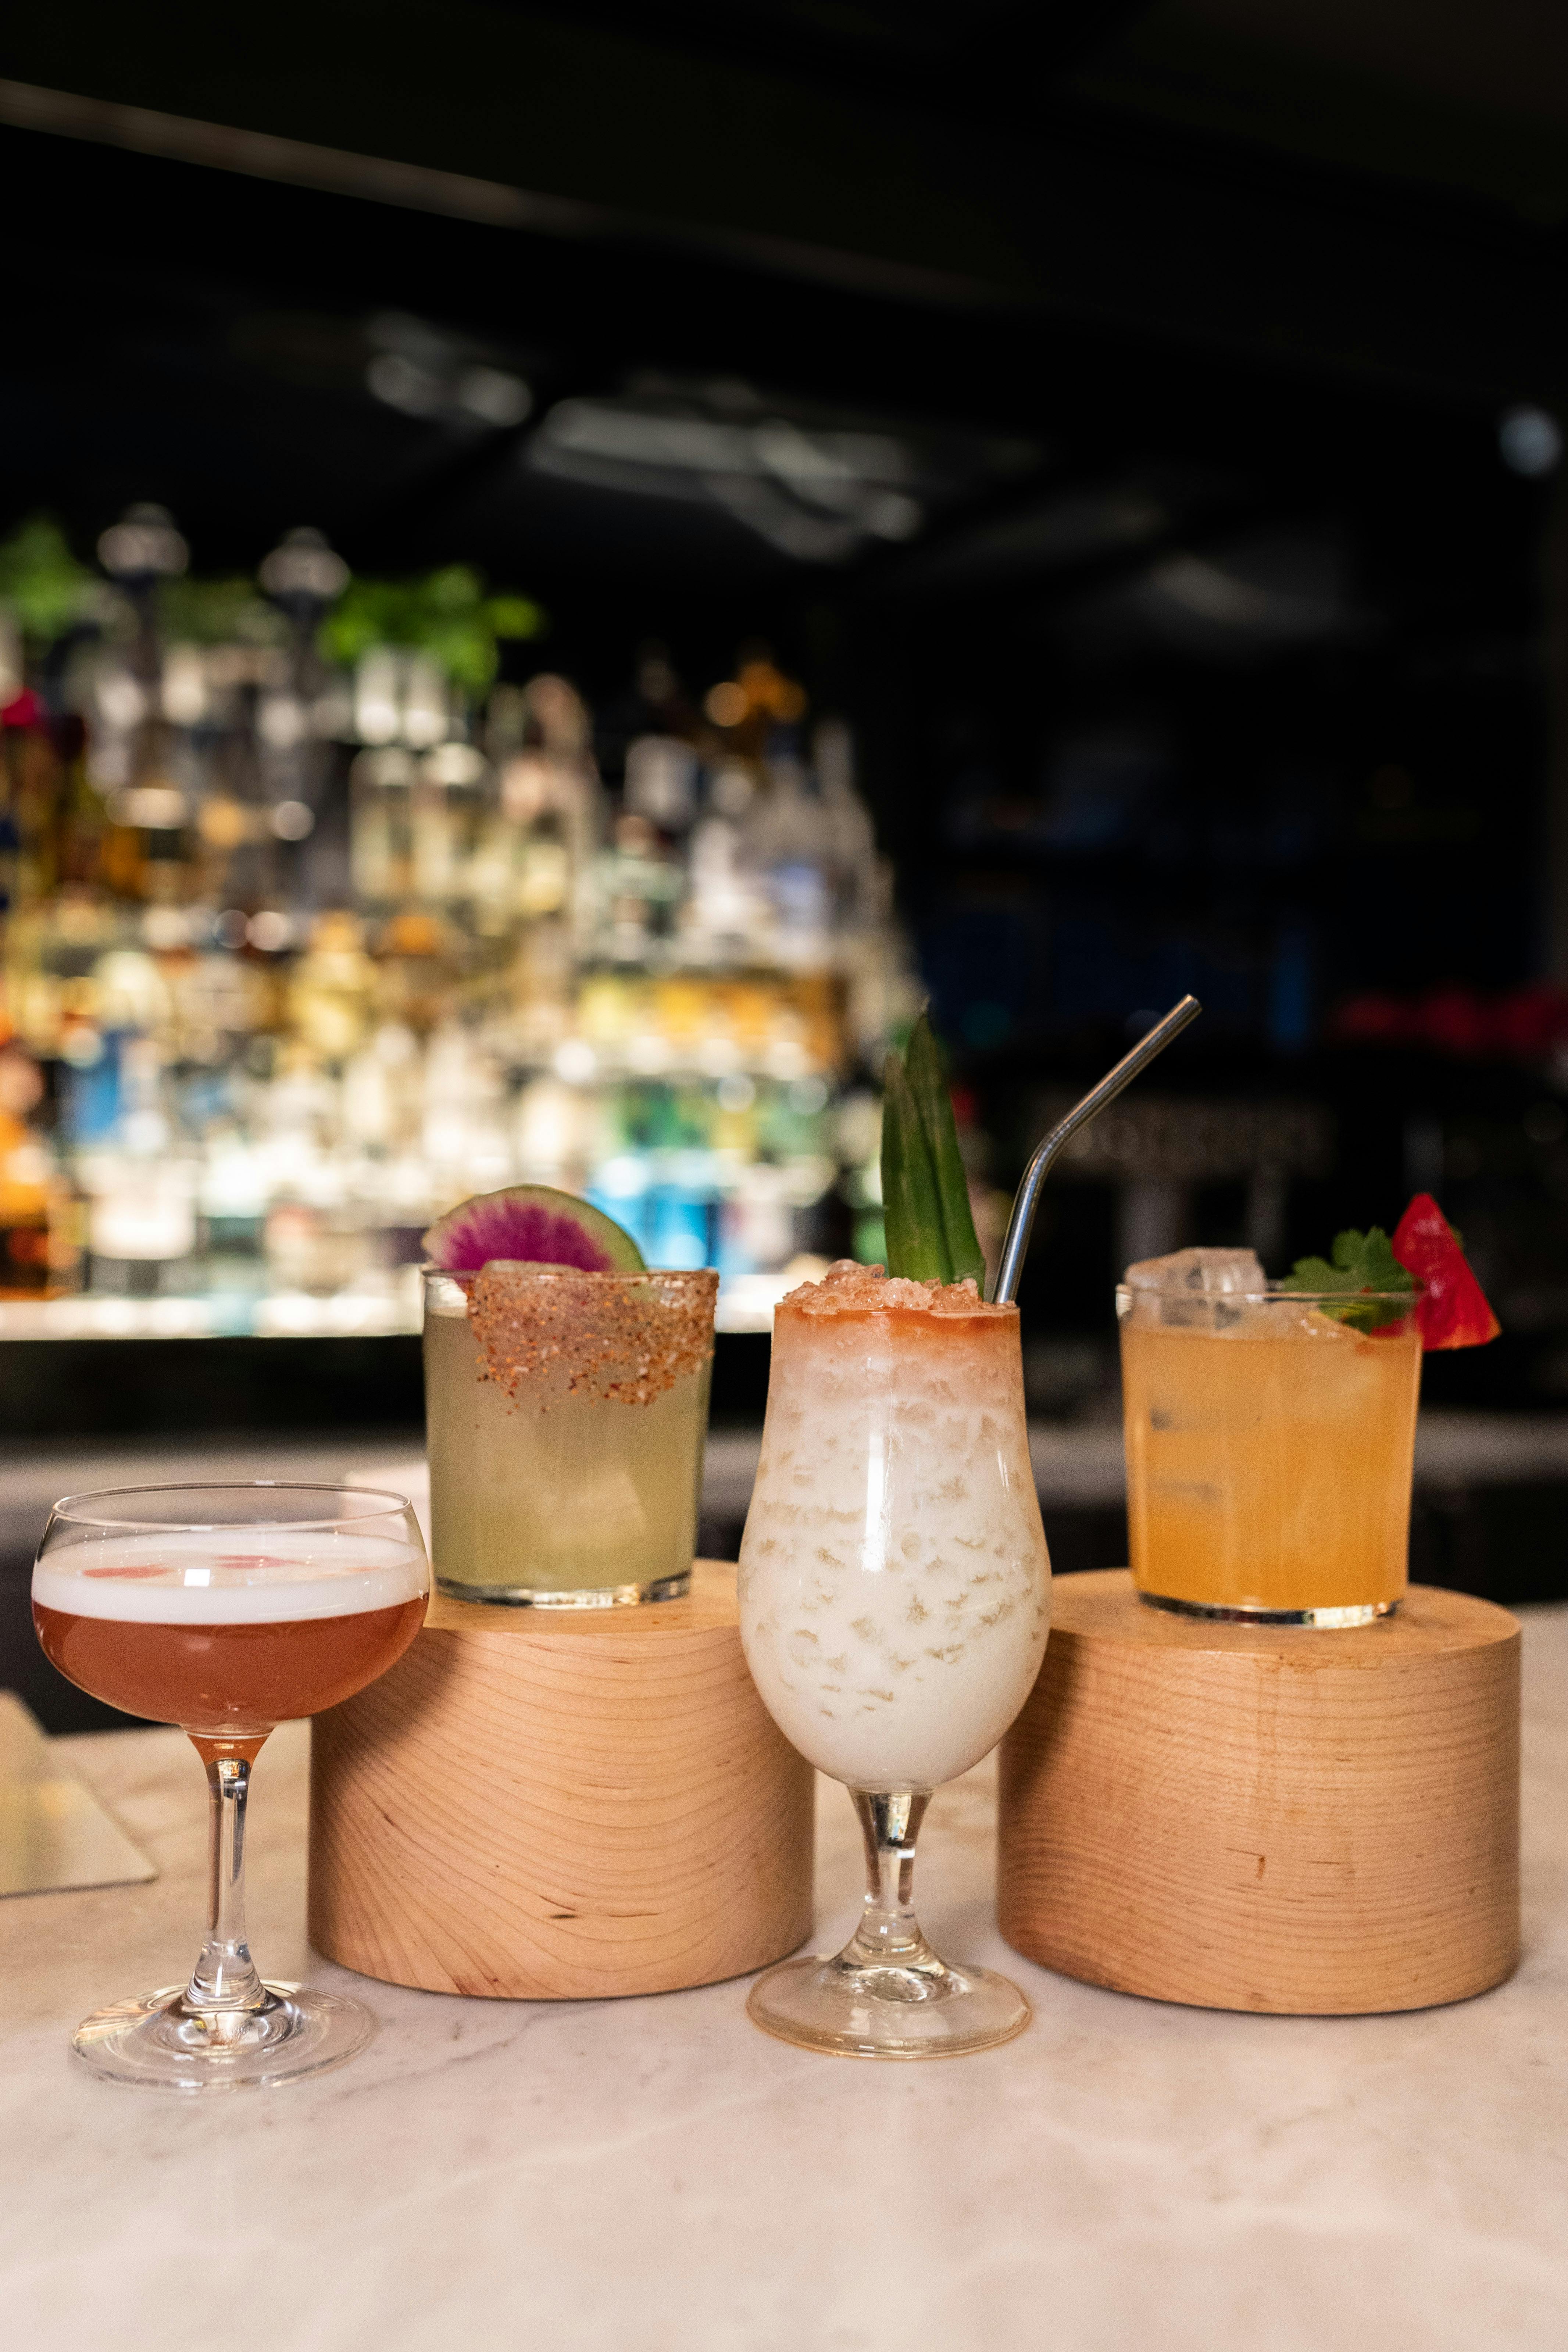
(1271, 1439)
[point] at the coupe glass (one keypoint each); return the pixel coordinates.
(895, 1600)
(226, 1608)
(1270, 1444)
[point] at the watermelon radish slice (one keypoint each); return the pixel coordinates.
(536, 1224)
(1453, 1311)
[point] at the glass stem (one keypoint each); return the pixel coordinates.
(225, 1976)
(889, 1934)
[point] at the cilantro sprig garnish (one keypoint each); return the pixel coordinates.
(1361, 1263)
(925, 1193)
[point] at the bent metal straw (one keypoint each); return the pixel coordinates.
(1047, 1153)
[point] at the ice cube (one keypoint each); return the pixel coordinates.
(1199, 1269)
(1196, 1289)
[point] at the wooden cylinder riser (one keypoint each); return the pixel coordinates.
(1266, 1817)
(541, 1804)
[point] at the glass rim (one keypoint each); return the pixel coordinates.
(541, 1272)
(1273, 1294)
(77, 1511)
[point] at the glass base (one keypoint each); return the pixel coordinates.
(160, 2043)
(878, 2009)
(1365, 1612)
(591, 1596)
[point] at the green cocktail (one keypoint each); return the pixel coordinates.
(566, 1413)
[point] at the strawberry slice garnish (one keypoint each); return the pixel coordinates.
(1453, 1311)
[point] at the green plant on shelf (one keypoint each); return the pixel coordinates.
(46, 589)
(447, 615)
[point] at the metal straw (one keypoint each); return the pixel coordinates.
(1154, 1041)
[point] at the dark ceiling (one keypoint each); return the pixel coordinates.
(1375, 185)
(1112, 277)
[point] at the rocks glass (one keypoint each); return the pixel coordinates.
(1270, 1439)
(895, 1600)
(227, 1609)
(567, 1414)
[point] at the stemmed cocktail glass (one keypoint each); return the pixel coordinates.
(227, 1609)
(894, 1582)
(895, 1600)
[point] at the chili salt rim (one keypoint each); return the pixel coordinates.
(849, 1288)
(560, 1332)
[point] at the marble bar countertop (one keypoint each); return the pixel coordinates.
(657, 2174)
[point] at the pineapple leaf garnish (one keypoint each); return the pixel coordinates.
(925, 1194)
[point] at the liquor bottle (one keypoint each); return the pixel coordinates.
(550, 792)
(333, 988)
(639, 885)
(380, 826)
(859, 881)
(652, 737)
(135, 755)
(38, 1242)
(787, 842)
(453, 801)
(141, 1184)
(726, 914)
(32, 783)
(298, 717)
(661, 782)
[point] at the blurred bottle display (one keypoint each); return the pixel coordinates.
(313, 925)
(39, 1229)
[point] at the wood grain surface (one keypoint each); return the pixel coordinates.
(560, 1805)
(1266, 1817)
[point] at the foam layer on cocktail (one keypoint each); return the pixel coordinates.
(894, 1578)
(229, 1576)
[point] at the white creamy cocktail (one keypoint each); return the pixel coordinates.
(895, 1600)
(895, 1587)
